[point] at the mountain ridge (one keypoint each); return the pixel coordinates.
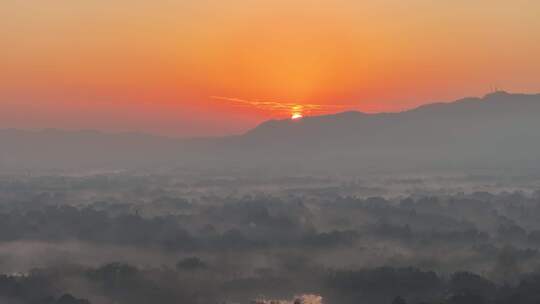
(496, 130)
(490, 97)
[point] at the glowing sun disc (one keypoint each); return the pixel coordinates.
(296, 116)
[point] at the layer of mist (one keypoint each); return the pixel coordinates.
(153, 238)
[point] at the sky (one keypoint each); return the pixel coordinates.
(213, 67)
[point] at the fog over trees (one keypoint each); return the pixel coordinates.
(126, 238)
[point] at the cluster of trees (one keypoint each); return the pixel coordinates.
(33, 289)
(426, 287)
(206, 244)
(270, 221)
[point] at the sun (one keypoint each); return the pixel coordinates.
(296, 115)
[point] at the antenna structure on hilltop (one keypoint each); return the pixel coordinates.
(494, 89)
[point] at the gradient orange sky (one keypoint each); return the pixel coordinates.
(213, 67)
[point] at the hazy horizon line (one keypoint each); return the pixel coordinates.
(150, 134)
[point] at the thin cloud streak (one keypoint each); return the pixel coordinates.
(284, 107)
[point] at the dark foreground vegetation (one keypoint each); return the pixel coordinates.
(122, 283)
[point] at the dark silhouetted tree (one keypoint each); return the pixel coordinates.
(399, 300)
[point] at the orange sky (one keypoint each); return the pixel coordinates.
(213, 67)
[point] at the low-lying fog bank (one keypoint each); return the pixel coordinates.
(122, 238)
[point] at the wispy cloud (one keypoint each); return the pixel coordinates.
(284, 107)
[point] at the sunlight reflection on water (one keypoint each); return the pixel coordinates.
(299, 299)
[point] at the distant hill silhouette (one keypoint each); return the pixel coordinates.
(496, 131)
(500, 130)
